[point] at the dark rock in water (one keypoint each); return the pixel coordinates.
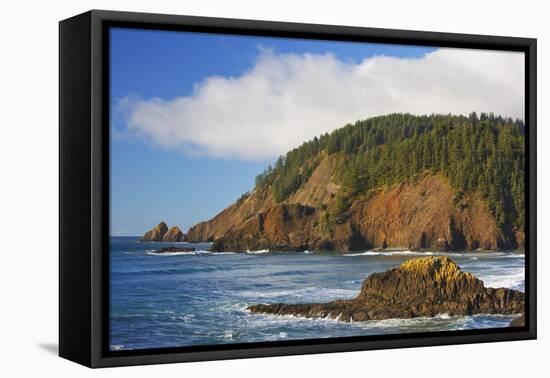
(172, 249)
(419, 287)
(156, 234)
(173, 235)
(519, 322)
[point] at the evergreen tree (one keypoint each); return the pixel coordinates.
(483, 154)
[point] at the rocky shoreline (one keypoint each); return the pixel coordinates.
(420, 287)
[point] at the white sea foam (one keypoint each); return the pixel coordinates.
(407, 253)
(515, 256)
(508, 255)
(228, 334)
(390, 324)
(440, 321)
(117, 346)
(260, 251)
(367, 253)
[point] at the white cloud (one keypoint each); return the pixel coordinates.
(285, 99)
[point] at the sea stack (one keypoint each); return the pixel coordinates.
(419, 287)
(156, 234)
(174, 234)
(161, 233)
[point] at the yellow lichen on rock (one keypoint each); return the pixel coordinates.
(439, 268)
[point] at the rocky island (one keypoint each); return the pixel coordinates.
(419, 287)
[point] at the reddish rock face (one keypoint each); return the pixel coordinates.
(424, 212)
(419, 287)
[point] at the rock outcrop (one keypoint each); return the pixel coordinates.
(423, 212)
(156, 234)
(161, 233)
(231, 218)
(174, 234)
(419, 287)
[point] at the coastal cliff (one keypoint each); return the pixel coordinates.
(423, 212)
(426, 286)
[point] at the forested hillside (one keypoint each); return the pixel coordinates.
(482, 154)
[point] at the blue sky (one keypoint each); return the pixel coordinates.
(150, 184)
(153, 179)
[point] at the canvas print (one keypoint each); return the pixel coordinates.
(271, 189)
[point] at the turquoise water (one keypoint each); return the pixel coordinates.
(200, 298)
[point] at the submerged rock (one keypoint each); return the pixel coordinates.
(172, 249)
(419, 287)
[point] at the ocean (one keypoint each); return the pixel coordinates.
(200, 298)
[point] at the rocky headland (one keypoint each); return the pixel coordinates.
(419, 287)
(399, 181)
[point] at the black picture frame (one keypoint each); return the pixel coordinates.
(84, 187)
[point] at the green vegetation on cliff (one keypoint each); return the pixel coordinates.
(483, 154)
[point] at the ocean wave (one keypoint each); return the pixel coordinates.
(393, 325)
(367, 253)
(304, 294)
(198, 252)
(408, 253)
(508, 255)
(396, 323)
(512, 278)
(390, 253)
(515, 256)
